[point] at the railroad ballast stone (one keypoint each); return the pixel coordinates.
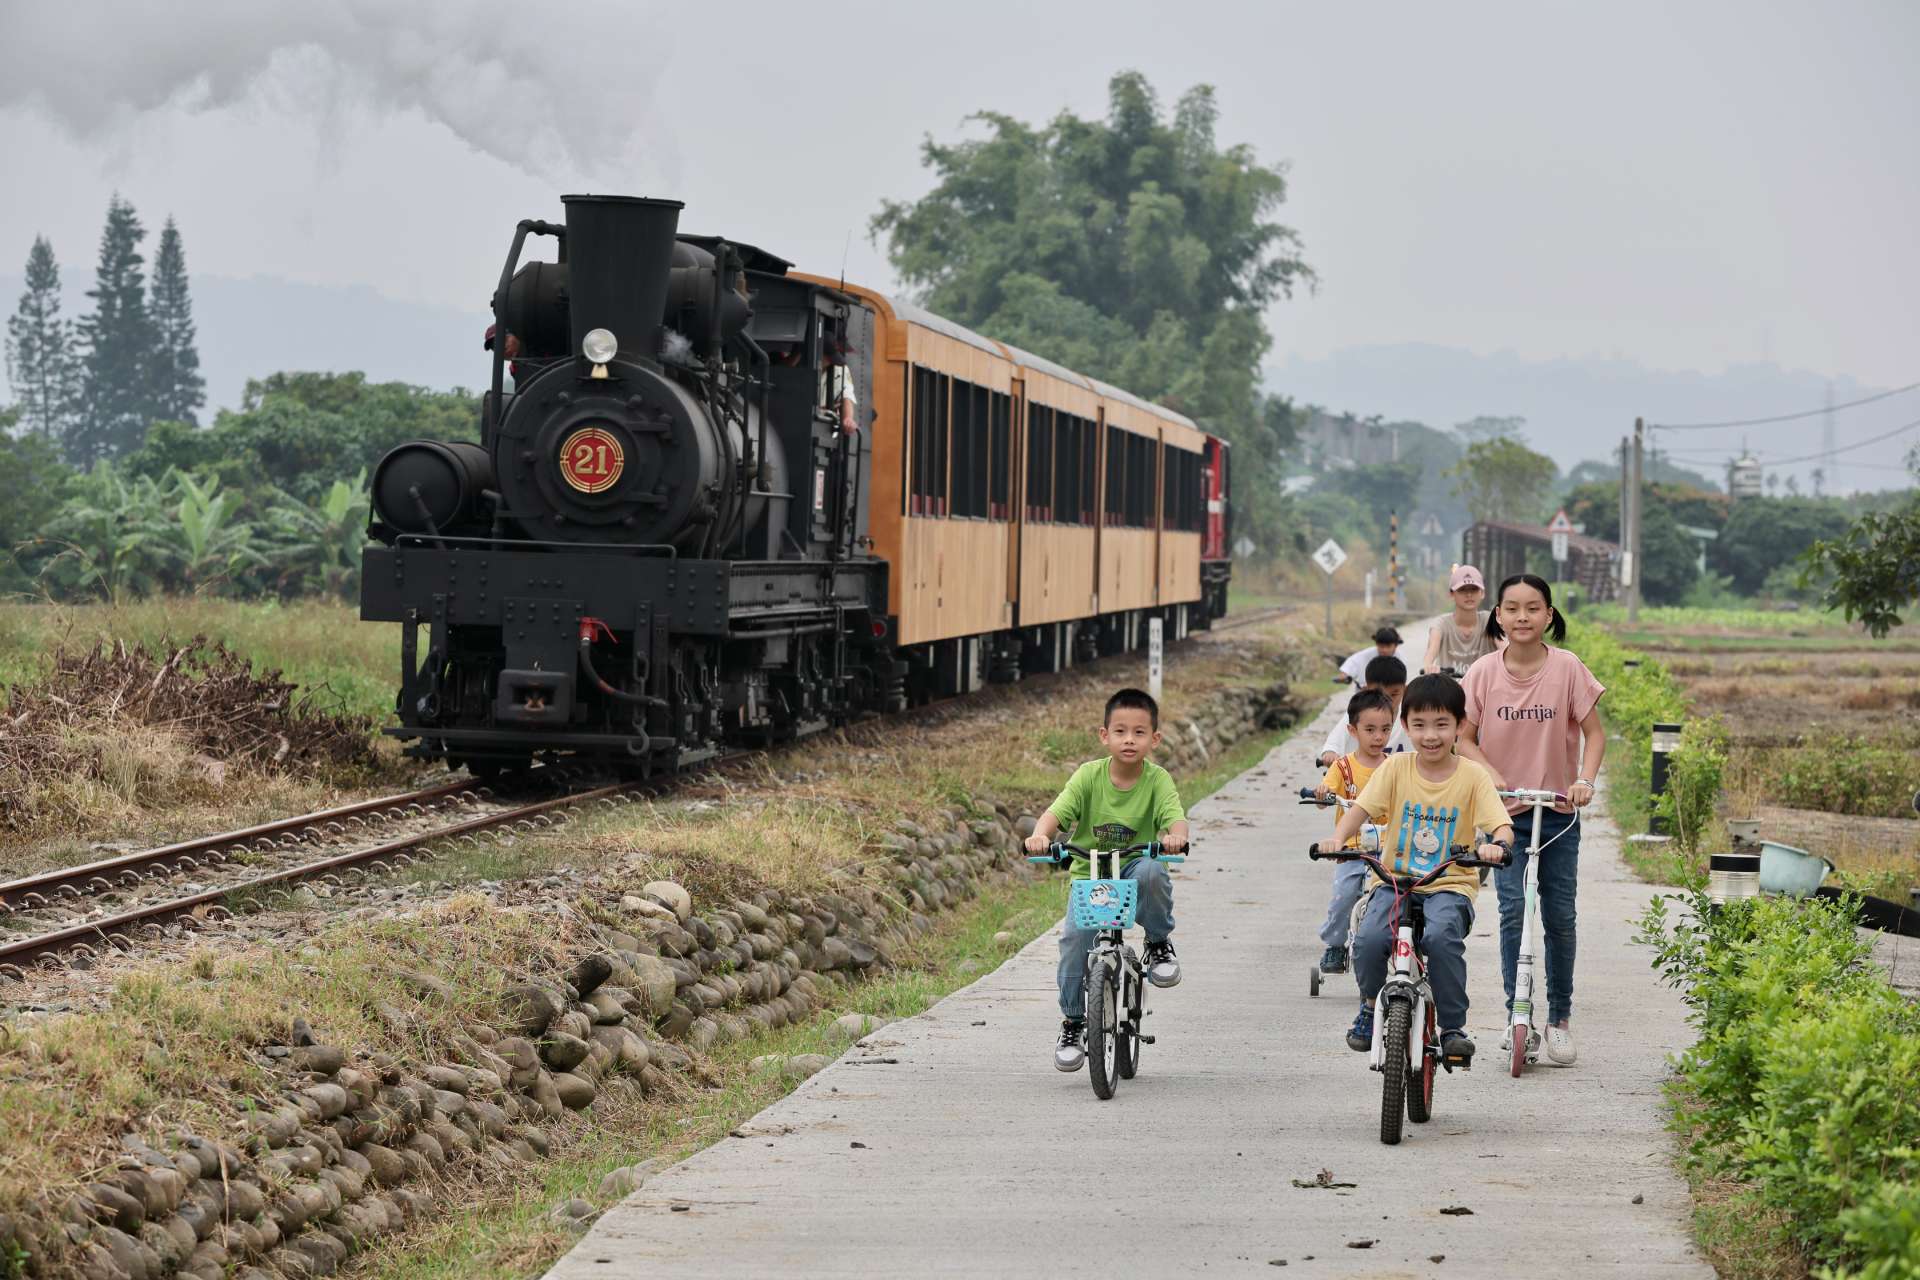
(323, 1169)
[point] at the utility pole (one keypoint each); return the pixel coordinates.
(1635, 501)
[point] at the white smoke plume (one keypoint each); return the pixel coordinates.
(564, 91)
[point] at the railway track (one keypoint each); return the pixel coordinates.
(69, 912)
(78, 911)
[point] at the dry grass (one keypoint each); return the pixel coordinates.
(176, 1045)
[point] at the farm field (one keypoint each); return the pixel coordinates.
(1823, 726)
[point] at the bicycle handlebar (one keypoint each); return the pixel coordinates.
(1462, 856)
(1307, 796)
(1059, 851)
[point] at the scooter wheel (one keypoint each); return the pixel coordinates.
(1518, 1035)
(1313, 981)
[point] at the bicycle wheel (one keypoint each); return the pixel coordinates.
(1127, 1055)
(1420, 1090)
(1518, 1035)
(1103, 1030)
(1313, 981)
(1393, 1072)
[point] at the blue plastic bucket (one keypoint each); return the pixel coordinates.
(1794, 872)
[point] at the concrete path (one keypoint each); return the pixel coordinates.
(947, 1144)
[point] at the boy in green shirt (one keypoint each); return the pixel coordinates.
(1112, 803)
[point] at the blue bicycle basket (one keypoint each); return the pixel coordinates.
(1102, 904)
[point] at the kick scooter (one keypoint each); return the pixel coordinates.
(1523, 1026)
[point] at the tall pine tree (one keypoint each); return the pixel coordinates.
(117, 340)
(178, 388)
(39, 350)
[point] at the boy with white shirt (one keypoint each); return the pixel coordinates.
(1386, 675)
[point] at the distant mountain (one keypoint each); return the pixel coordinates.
(1577, 409)
(252, 327)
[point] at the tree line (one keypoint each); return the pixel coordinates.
(93, 387)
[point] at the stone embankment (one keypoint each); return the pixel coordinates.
(356, 1145)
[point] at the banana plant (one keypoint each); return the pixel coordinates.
(320, 541)
(102, 542)
(205, 541)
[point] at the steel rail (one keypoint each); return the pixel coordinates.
(22, 951)
(131, 868)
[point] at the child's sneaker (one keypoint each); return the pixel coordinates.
(1071, 1052)
(1360, 1034)
(1333, 960)
(1560, 1050)
(1456, 1044)
(1163, 967)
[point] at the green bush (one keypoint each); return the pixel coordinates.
(1694, 774)
(1804, 1084)
(1846, 775)
(1637, 696)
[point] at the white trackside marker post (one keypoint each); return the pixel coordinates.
(1156, 652)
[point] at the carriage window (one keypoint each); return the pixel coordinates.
(930, 443)
(1116, 474)
(979, 451)
(1001, 416)
(1040, 452)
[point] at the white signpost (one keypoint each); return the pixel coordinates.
(1156, 653)
(1329, 557)
(1560, 527)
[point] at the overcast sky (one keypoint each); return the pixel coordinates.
(1688, 185)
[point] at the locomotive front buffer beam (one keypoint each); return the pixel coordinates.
(616, 651)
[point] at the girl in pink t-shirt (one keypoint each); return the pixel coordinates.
(1533, 719)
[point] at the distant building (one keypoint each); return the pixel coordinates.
(1743, 477)
(1339, 440)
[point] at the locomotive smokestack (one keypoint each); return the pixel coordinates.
(619, 259)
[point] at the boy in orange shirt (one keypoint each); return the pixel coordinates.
(1370, 722)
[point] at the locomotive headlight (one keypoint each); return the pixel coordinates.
(599, 346)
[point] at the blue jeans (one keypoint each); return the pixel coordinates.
(1559, 878)
(1448, 920)
(1154, 913)
(1350, 879)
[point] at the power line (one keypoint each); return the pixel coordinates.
(1849, 448)
(1785, 417)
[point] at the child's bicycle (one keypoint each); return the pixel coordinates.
(1406, 1000)
(1370, 839)
(1116, 980)
(1523, 1032)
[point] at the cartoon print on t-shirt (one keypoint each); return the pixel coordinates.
(1426, 833)
(1113, 835)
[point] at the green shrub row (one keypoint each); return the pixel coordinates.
(1804, 1085)
(1637, 696)
(1844, 774)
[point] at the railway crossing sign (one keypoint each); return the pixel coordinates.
(1329, 557)
(1430, 526)
(1243, 546)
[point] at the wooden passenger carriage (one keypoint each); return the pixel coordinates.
(1032, 516)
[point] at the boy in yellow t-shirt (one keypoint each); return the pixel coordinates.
(1370, 721)
(1425, 800)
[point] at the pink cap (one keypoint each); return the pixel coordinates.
(1465, 575)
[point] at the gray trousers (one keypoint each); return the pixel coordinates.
(1154, 913)
(1449, 919)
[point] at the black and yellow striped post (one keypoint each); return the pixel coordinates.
(1393, 560)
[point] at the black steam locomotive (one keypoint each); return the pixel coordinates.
(657, 550)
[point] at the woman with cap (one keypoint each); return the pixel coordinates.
(1457, 642)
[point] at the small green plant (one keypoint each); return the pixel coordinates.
(1694, 778)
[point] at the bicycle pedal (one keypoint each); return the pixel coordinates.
(1145, 1038)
